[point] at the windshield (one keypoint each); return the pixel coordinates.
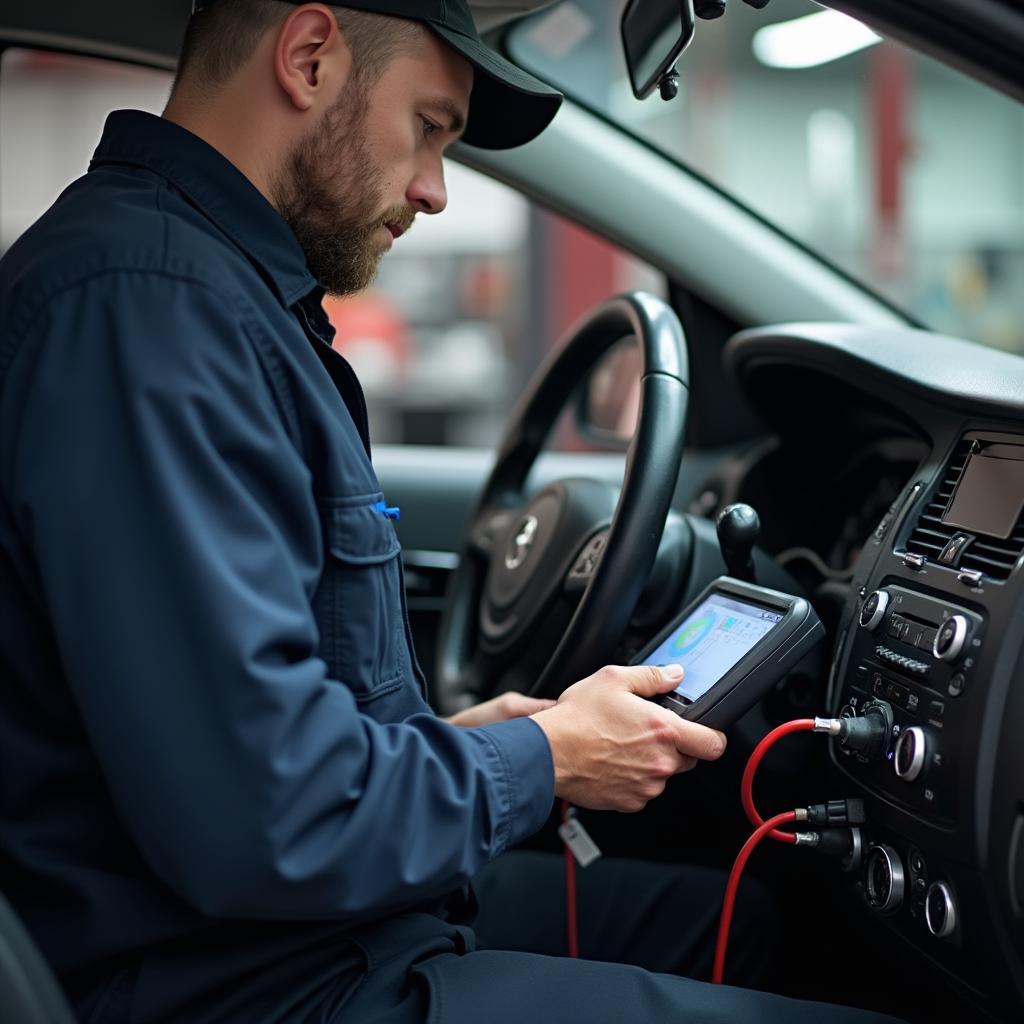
(906, 174)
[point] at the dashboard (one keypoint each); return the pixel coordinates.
(927, 537)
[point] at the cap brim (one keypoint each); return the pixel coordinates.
(507, 106)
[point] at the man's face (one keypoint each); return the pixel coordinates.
(356, 181)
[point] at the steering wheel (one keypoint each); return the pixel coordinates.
(546, 585)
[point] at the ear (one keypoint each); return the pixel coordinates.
(311, 60)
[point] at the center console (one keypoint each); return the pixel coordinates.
(917, 653)
(932, 641)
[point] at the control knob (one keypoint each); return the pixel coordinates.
(940, 910)
(951, 637)
(883, 879)
(910, 752)
(873, 610)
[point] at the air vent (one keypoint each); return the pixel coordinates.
(994, 557)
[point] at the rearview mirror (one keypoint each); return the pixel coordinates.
(654, 34)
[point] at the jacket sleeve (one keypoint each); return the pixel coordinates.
(178, 545)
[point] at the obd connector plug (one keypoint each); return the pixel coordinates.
(841, 843)
(868, 733)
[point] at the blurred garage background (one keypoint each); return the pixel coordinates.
(903, 173)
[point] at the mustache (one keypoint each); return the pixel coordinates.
(402, 216)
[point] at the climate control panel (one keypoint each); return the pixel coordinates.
(895, 881)
(913, 653)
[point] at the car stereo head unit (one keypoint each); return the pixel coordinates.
(734, 642)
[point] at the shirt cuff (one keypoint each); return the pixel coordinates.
(526, 779)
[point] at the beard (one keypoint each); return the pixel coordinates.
(329, 193)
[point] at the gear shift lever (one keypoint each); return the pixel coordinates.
(738, 529)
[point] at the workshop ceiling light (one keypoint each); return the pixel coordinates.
(811, 40)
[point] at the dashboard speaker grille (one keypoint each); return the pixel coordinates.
(994, 557)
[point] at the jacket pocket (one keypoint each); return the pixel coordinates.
(358, 604)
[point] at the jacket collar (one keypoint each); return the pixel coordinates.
(216, 188)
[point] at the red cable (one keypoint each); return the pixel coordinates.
(763, 828)
(571, 926)
(733, 884)
(747, 785)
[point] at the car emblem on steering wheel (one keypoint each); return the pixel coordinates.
(519, 546)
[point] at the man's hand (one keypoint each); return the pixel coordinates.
(500, 709)
(615, 751)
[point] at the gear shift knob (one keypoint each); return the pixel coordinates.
(738, 529)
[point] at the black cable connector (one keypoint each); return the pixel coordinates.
(867, 733)
(837, 813)
(834, 842)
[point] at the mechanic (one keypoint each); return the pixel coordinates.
(223, 796)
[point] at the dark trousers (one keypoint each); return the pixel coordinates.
(641, 925)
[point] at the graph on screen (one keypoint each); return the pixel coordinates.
(712, 640)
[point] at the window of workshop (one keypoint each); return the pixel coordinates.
(904, 172)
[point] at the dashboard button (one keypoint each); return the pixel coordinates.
(970, 577)
(873, 610)
(910, 752)
(950, 638)
(940, 910)
(956, 685)
(883, 879)
(927, 641)
(916, 862)
(886, 653)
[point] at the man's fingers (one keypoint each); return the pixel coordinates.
(650, 680)
(698, 740)
(518, 705)
(673, 764)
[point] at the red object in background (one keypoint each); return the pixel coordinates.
(369, 317)
(584, 272)
(486, 288)
(889, 86)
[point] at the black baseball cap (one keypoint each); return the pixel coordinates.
(507, 107)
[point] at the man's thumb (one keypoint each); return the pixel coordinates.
(650, 680)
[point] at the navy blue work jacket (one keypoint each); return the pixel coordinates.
(216, 760)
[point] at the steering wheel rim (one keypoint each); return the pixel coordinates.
(652, 465)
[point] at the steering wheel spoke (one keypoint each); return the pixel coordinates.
(586, 563)
(487, 529)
